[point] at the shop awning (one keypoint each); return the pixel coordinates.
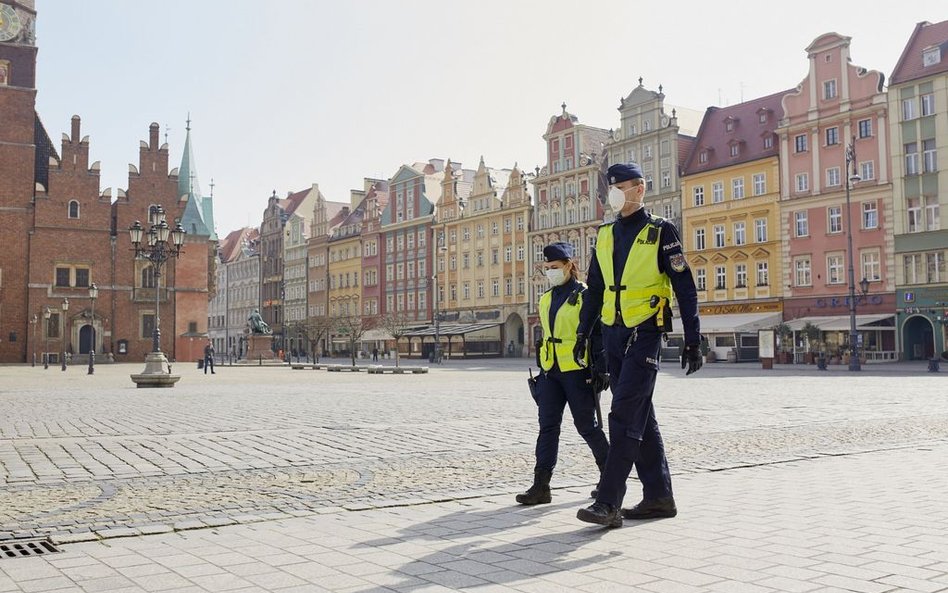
(451, 329)
(732, 323)
(835, 323)
(376, 335)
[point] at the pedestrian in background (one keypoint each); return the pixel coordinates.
(209, 357)
(637, 264)
(564, 381)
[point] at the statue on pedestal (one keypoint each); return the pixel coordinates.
(257, 325)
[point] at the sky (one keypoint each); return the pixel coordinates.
(287, 93)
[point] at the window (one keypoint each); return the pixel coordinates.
(699, 239)
(399, 271)
(52, 326)
(914, 215)
(929, 158)
(835, 218)
(834, 269)
(454, 292)
(832, 136)
(667, 211)
(768, 141)
(865, 128)
(466, 292)
(740, 275)
(799, 143)
(871, 267)
(803, 182)
(720, 277)
(480, 289)
(454, 262)
(912, 268)
(867, 170)
(648, 183)
(508, 254)
(870, 215)
(740, 233)
(508, 225)
(480, 259)
(147, 325)
(802, 223)
(928, 104)
(495, 256)
(935, 267)
(466, 233)
(520, 253)
(719, 235)
(666, 179)
(735, 149)
(480, 231)
(62, 277)
(908, 108)
(832, 177)
(801, 269)
(701, 279)
(760, 184)
(932, 222)
(466, 261)
(703, 156)
(494, 228)
(82, 277)
(829, 89)
(508, 287)
(73, 211)
(521, 286)
(763, 273)
(911, 158)
(737, 188)
(698, 193)
(717, 192)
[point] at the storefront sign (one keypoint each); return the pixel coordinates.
(844, 301)
(773, 307)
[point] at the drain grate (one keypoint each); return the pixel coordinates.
(24, 548)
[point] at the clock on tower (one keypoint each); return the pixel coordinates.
(10, 25)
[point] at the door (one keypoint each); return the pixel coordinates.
(86, 339)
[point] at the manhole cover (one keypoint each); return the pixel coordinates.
(23, 548)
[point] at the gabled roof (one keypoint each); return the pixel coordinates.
(910, 65)
(230, 247)
(293, 201)
(747, 132)
(685, 146)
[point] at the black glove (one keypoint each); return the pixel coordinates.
(536, 347)
(599, 381)
(691, 357)
(579, 350)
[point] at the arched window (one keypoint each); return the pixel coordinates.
(73, 209)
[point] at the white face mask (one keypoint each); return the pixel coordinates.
(616, 199)
(556, 276)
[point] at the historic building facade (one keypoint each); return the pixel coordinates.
(326, 217)
(345, 272)
(568, 206)
(297, 207)
(730, 224)
(837, 106)
(238, 292)
(482, 264)
(918, 104)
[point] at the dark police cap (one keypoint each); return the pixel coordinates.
(557, 251)
(623, 172)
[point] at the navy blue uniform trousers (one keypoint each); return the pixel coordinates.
(633, 429)
(556, 390)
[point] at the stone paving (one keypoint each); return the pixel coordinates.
(89, 458)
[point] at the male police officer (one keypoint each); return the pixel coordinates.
(639, 261)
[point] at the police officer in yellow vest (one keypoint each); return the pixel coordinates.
(638, 263)
(564, 380)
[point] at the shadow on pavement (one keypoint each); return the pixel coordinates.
(487, 556)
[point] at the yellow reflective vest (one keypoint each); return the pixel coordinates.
(641, 279)
(558, 341)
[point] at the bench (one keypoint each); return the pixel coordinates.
(400, 370)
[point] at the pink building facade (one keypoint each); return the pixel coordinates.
(837, 106)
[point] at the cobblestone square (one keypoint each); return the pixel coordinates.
(272, 479)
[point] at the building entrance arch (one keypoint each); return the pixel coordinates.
(513, 335)
(86, 339)
(918, 338)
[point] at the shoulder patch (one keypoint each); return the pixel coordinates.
(677, 262)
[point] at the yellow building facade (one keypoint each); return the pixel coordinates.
(345, 272)
(482, 261)
(730, 225)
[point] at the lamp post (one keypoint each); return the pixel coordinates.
(46, 315)
(65, 331)
(93, 295)
(157, 249)
(34, 320)
(853, 178)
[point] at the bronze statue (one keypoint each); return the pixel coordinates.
(257, 324)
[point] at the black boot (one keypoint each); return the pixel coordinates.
(539, 493)
(600, 513)
(595, 491)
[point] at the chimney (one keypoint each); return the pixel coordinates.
(153, 136)
(75, 128)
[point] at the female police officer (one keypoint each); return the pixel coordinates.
(638, 264)
(564, 380)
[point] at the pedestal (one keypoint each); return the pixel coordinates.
(157, 372)
(260, 348)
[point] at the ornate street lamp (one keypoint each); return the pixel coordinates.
(852, 179)
(46, 315)
(34, 320)
(65, 330)
(93, 295)
(157, 249)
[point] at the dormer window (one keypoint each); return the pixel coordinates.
(729, 124)
(931, 56)
(73, 210)
(703, 156)
(735, 150)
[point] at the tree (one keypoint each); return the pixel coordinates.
(316, 328)
(353, 327)
(812, 334)
(397, 324)
(784, 336)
